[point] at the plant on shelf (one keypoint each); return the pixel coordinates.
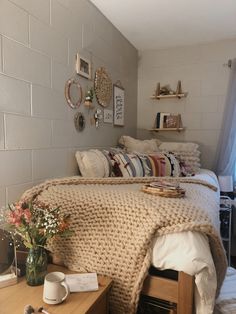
(35, 224)
(89, 97)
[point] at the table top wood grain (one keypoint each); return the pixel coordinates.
(14, 298)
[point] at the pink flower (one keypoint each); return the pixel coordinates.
(18, 206)
(14, 217)
(27, 215)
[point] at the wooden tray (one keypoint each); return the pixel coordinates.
(164, 192)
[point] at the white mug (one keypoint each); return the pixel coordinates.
(55, 289)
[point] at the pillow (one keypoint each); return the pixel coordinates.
(93, 163)
(184, 147)
(187, 153)
(161, 165)
(140, 146)
(142, 165)
(125, 165)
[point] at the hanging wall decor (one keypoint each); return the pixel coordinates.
(103, 87)
(97, 117)
(79, 121)
(88, 102)
(118, 103)
(107, 116)
(73, 93)
(83, 67)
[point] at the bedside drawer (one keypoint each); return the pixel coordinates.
(100, 307)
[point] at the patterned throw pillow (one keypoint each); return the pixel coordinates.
(142, 165)
(125, 165)
(187, 153)
(161, 165)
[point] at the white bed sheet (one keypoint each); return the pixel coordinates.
(190, 252)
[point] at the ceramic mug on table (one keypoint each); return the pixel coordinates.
(55, 289)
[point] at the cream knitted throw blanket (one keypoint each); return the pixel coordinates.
(115, 224)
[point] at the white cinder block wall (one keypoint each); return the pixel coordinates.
(203, 76)
(38, 43)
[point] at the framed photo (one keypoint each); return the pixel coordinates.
(173, 121)
(119, 104)
(83, 66)
(107, 116)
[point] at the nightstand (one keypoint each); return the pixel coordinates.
(14, 298)
(225, 224)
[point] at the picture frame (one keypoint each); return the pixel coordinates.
(107, 116)
(83, 66)
(167, 120)
(118, 104)
(173, 121)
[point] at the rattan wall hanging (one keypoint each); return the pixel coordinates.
(75, 101)
(103, 87)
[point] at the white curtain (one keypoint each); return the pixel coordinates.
(226, 156)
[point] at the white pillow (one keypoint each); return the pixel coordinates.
(184, 147)
(92, 163)
(139, 146)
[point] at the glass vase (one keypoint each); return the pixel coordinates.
(36, 266)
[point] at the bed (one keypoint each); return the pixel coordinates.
(124, 233)
(120, 231)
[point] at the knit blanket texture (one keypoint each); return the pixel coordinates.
(115, 224)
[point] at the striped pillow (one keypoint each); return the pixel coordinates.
(126, 165)
(187, 153)
(161, 165)
(140, 165)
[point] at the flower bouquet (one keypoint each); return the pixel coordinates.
(35, 224)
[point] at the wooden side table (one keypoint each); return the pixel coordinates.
(14, 298)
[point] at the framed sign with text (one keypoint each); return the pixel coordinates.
(118, 103)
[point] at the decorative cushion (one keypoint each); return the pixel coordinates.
(93, 163)
(139, 146)
(126, 165)
(180, 147)
(187, 153)
(160, 165)
(141, 165)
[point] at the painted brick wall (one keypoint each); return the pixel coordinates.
(201, 70)
(38, 43)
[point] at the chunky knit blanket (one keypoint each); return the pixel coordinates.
(115, 223)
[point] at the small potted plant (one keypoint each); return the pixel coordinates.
(89, 98)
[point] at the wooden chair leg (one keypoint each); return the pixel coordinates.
(185, 293)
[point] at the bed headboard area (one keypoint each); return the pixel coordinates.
(140, 158)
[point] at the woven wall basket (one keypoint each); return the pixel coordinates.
(103, 87)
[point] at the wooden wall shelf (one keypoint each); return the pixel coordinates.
(178, 93)
(179, 96)
(167, 129)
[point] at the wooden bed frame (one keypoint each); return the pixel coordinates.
(178, 291)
